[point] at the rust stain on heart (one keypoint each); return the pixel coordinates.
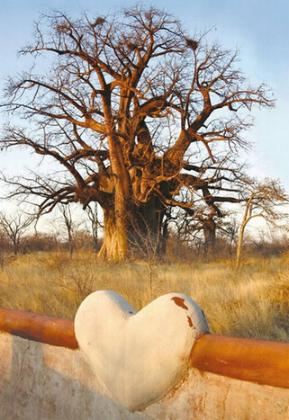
(190, 321)
(180, 302)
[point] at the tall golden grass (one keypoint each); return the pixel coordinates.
(253, 302)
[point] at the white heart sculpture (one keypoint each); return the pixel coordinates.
(138, 357)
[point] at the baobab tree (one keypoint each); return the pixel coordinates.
(136, 111)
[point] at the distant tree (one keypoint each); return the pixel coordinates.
(65, 211)
(72, 225)
(229, 230)
(135, 111)
(204, 227)
(14, 227)
(94, 219)
(262, 200)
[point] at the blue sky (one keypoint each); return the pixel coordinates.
(259, 29)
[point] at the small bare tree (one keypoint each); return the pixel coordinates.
(262, 200)
(93, 216)
(67, 218)
(14, 227)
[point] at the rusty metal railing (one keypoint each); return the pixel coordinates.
(260, 361)
(37, 327)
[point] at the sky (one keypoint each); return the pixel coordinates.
(258, 28)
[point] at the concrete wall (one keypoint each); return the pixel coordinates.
(40, 382)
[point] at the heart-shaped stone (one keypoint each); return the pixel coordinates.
(138, 357)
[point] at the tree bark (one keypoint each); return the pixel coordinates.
(239, 245)
(137, 233)
(114, 246)
(210, 236)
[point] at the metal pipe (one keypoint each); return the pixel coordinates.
(260, 361)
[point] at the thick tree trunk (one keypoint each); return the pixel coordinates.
(137, 233)
(114, 246)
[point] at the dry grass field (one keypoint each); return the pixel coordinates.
(253, 302)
